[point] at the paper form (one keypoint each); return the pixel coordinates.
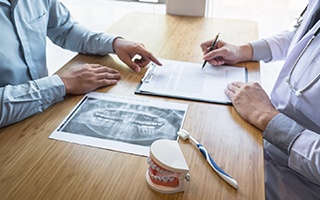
(187, 80)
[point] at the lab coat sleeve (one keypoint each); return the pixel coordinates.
(301, 145)
(305, 156)
(279, 45)
(68, 34)
(272, 48)
(21, 101)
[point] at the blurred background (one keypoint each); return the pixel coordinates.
(272, 17)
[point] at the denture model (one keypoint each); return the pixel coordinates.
(168, 170)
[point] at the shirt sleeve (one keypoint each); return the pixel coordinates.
(21, 101)
(261, 51)
(272, 48)
(65, 32)
(301, 145)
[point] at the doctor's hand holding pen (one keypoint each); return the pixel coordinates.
(249, 99)
(225, 53)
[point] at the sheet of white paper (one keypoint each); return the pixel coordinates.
(120, 123)
(189, 80)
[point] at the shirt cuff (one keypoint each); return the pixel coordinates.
(261, 51)
(282, 132)
(105, 44)
(52, 90)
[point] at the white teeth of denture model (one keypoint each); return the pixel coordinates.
(168, 170)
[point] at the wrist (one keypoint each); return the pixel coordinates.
(246, 52)
(115, 42)
(262, 119)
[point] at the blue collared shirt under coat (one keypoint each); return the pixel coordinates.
(25, 88)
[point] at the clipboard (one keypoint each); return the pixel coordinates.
(186, 80)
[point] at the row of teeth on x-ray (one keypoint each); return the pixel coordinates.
(139, 119)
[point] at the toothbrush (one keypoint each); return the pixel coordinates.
(185, 135)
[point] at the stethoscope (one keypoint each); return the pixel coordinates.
(295, 24)
(298, 92)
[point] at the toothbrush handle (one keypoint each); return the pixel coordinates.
(216, 168)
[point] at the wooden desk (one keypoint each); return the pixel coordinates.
(35, 167)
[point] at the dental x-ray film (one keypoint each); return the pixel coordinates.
(121, 123)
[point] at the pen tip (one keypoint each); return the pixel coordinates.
(204, 64)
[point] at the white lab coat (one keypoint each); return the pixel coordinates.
(296, 176)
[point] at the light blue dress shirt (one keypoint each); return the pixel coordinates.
(25, 88)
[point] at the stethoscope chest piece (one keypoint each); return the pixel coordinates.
(296, 92)
(295, 24)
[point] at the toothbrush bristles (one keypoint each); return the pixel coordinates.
(183, 134)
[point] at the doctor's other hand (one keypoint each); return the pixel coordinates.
(88, 77)
(252, 103)
(127, 50)
(225, 53)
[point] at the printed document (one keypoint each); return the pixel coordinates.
(188, 80)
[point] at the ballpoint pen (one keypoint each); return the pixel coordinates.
(211, 47)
